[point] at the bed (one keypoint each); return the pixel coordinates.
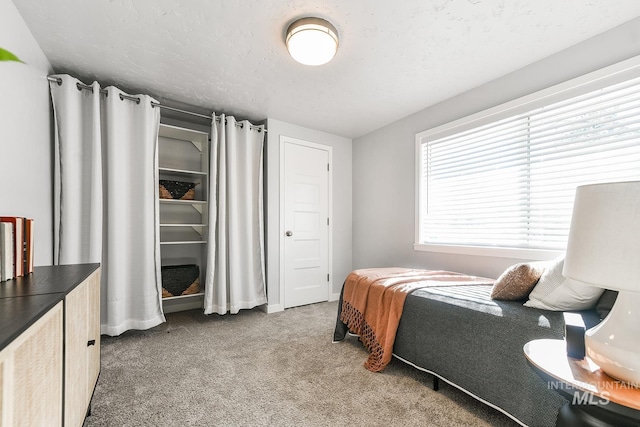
(459, 334)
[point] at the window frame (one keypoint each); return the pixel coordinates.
(612, 74)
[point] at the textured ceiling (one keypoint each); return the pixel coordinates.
(395, 58)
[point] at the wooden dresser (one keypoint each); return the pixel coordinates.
(49, 345)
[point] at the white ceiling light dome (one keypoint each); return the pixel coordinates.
(312, 41)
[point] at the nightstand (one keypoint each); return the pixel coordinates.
(595, 399)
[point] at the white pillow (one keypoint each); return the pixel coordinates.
(555, 292)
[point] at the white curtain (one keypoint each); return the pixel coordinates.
(105, 206)
(235, 276)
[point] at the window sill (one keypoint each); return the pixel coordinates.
(516, 253)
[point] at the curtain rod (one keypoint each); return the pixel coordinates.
(135, 99)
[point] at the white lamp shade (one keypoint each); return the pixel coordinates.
(312, 41)
(603, 250)
(604, 239)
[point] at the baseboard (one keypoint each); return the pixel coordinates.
(274, 308)
(182, 304)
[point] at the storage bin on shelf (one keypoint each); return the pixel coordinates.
(180, 280)
(177, 190)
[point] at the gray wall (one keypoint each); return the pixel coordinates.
(341, 215)
(383, 166)
(25, 132)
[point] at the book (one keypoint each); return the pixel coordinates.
(7, 266)
(28, 246)
(18, 243)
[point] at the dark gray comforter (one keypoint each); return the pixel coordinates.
(463, 336)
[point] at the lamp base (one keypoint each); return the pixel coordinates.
(614, 344)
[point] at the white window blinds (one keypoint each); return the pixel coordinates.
(511, 183)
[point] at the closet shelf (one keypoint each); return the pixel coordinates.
(199, 294)
(185, 242)
(183, 202)
(183, 225)
(198, 228)
(198, 205)
(197, 138)
(182, 172)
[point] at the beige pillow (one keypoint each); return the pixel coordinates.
(517, 281)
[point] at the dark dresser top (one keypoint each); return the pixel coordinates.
(24, 300)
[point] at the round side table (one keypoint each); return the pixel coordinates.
(595, 399)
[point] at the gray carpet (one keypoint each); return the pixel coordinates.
(257, 369)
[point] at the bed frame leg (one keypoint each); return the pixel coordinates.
(436, 383)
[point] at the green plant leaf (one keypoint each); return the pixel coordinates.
(5, 55)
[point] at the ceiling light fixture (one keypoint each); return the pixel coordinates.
(312, 41)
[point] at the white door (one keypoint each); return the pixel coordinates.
(305, 222)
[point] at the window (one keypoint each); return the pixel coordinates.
(506, 178)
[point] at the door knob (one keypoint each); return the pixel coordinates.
(289, 233)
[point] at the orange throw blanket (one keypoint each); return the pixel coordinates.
(373, 300)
